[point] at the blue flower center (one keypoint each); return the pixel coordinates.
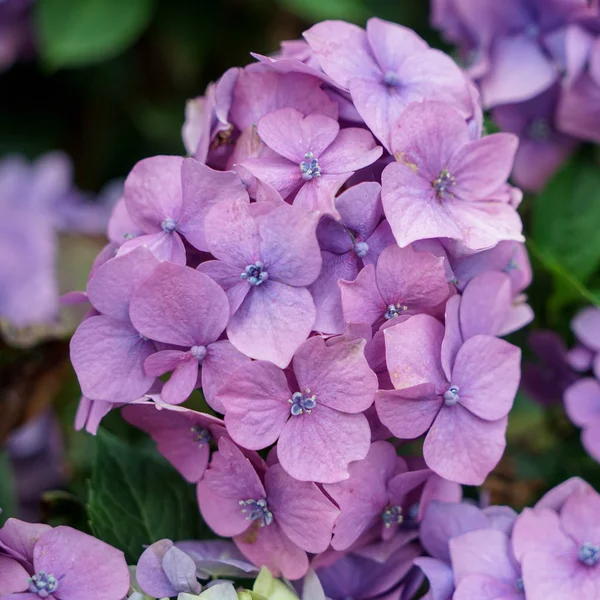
(198, 352)
(391, 79)
(309, 167)
(589, 554)
(520, 585)
(257, 511)
(43, 584)
(443, 183)
(394, 310)
(168, 225)
(392, 516)
(361, 249)
(302, 403)
(451, 396)
(255, 274)
(200, 435)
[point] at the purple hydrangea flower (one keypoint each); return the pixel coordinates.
(312, 157)
(178, 305)
(267, 255)
(559, 553)
(346, 246)
(107, 352)
(361, 577)
(485, 567)
(374, 496)
(16, 35)
(443, 184)
(404, 282)
(586, 354)
(37, 561)
(462, 397)
(542, 147)
(385, 68)
(274, 518)
(314, 408)
(168, 197)
(582, 403)
(163, 570)
(182, 436)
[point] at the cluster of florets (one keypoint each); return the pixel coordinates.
(537, 65)
(333, 266)
(38, 202)
(550, 551)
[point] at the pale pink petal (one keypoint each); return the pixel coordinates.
(288, 245)
(342, 50)
(412, 351)
(487, 587)
(363, 496)
(487, 372)
(439, 574)
(221, 360)
(590, 438)
(255, 401)
(336, 438)
(110, 288)
(182, 382)
(453, 338)
(408, 413)
(292, 135)
(164, 246)
(162, 362)
(580, 517)
(223, 515)
(269, 546)
(279, 173)
(352, 150)
(153, 191)
(462, 447)
(582, 401)
(179, 305)
(108, 357)
(202, 189)
(229, 278)
(291, 501)
(361, 300)
(85, 566)
(13, 577)
(586, 326)
(338, 375)
(232, 234)
(272, 322)
(318, 194)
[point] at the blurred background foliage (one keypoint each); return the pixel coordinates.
(108, 83)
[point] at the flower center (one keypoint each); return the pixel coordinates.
(443, 182)
(302, 403)
(168, 225)
(43, 584)
(257, 511)
(361, 249)
(255, 274)
(309, 167)
(451, 396)
(394, 310)
(539, 130)
(392, 516)
(200, 435)
(391, 79)
(198, 352)
(589, 554)
(519, 585)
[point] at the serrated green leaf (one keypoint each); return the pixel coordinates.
(79, 32)
(136, 498)
(8, 490)
(566, 220)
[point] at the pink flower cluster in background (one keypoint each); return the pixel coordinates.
(334, 266)
(537, 66)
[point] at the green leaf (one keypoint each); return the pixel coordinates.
(566, 222)
(79, 32)
(8, 490)
(318, 10)
(136, 498)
